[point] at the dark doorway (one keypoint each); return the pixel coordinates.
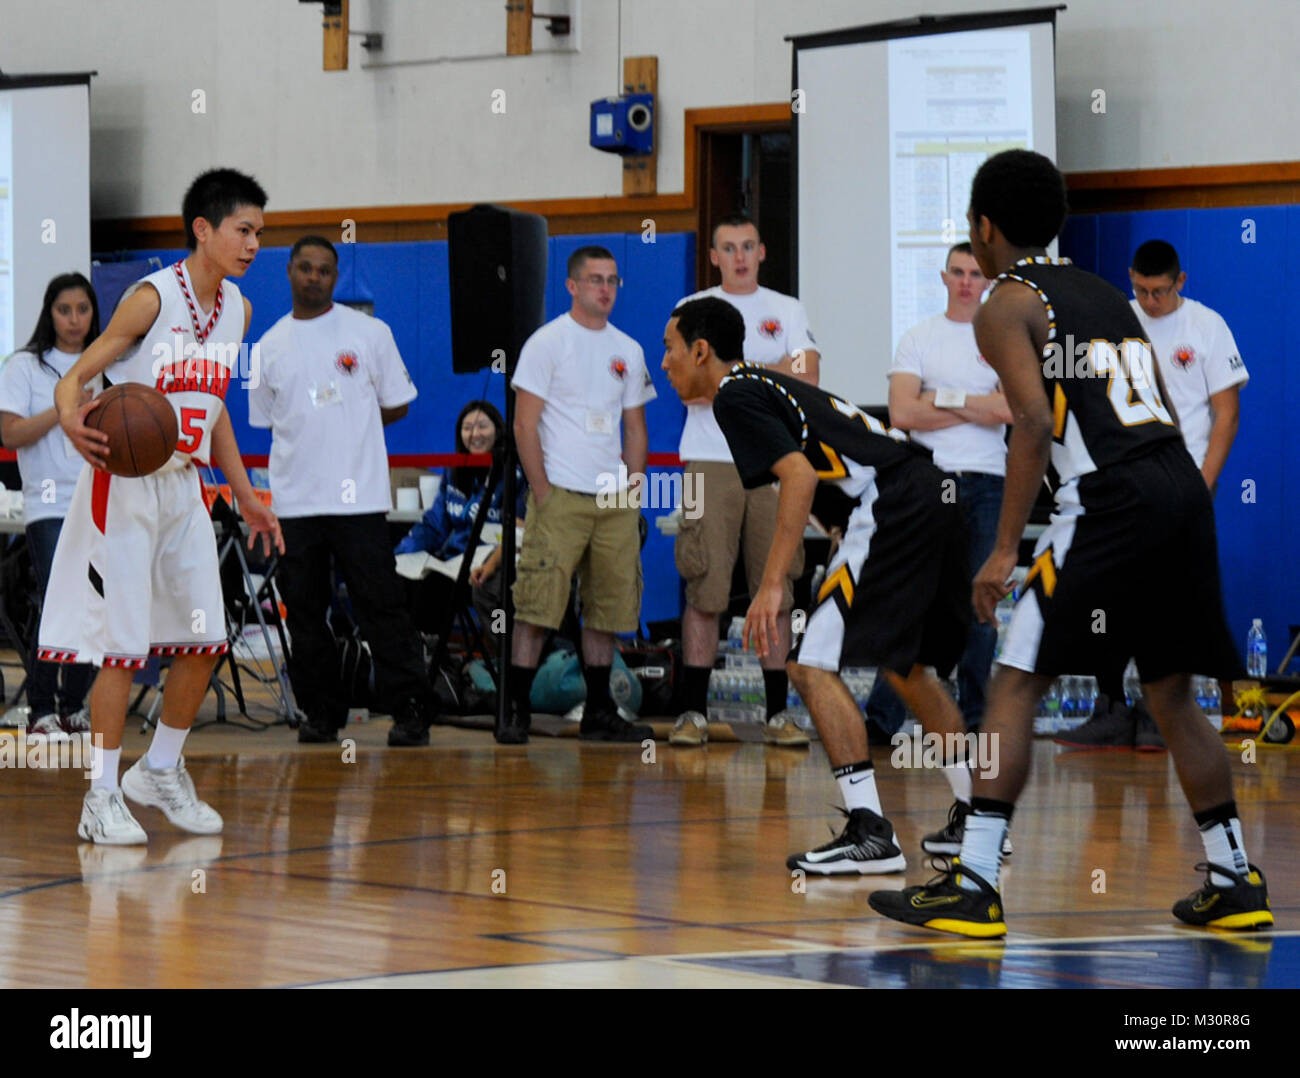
(747, 171)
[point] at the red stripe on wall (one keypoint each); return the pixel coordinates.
(452, 460)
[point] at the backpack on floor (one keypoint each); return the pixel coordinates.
(658, 669)
(559, 686)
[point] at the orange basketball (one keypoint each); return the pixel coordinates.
(141, 428)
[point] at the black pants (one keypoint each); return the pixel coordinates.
(429, 597)
(363, 558)
(69, 681)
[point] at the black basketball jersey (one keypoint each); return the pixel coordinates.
(1098, 370)
(766, 415)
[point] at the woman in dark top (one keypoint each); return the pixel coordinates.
(445, 528)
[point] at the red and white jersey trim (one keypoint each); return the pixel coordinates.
(136, 662)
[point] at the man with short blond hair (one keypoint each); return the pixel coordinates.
(732, 518)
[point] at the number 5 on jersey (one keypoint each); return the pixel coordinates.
(192, 430)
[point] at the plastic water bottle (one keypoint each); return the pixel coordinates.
(1213, 704)
(1132, 684)
(735, 632)
(1052, 707)
(1069, 698)
(1256, 650)
(1088, 698)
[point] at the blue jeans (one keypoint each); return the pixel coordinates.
(44, 678)
(980, 497)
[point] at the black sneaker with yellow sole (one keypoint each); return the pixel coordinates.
(945, 906)
(1243, 906)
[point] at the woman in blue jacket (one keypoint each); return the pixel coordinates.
(444, 529)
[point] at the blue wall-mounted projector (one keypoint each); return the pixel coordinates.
(624, 124)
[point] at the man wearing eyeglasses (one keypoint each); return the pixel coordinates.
(732, 519)
(581, 387)
(1203, 375)
(1198, 358)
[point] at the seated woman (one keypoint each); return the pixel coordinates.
(445, 528)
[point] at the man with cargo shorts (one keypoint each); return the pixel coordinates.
(733, 519)
(580, 384)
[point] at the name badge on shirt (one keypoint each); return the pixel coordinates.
(322, 396)
(599, 423)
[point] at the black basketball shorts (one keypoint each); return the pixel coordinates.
(897, 592)
(1128, 568)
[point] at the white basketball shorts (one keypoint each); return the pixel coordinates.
(135, 573)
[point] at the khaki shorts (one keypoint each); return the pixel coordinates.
(732, 519)
(570, 532)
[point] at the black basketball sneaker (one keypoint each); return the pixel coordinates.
(865, 846)
(947, 841)
(1240, 907)
(945, 906)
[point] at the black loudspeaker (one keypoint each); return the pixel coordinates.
(497, 262)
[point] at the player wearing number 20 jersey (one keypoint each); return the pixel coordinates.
(1131, 551)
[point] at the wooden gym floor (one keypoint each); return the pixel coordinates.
(567, 864)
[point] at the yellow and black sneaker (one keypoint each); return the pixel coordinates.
(945, 906)
(1240, 907)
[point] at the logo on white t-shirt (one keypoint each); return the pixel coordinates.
(771, 327)
(1184, 356)
(347, 362)
(1234, 362)
(618, 367)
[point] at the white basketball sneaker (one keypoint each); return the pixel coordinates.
(106, 821)
(172, 790)
(78, 722)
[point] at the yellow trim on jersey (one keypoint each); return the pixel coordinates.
(1058, 412)
(1045, 567)
(838, 579)
(837, 469)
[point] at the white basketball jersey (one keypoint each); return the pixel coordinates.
(188, 355)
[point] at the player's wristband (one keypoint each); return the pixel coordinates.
(947, 397)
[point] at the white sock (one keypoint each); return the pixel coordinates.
(104, 764)
(1223, 846)
(858, 787)
(167, 744)
(958, 776)
(981, 848)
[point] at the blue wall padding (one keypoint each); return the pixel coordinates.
(1251, 285)
(408, 285)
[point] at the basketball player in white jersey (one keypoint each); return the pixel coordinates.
(135, 572)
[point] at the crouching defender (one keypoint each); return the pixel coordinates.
(897, 593)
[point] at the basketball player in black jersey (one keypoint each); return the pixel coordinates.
(897, 593)
(1128, 565)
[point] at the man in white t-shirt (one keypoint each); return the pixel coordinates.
(731, 519)
(330, 380)
(946, 396)
(581, 387)
(1203, 374)
(1202, 369)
